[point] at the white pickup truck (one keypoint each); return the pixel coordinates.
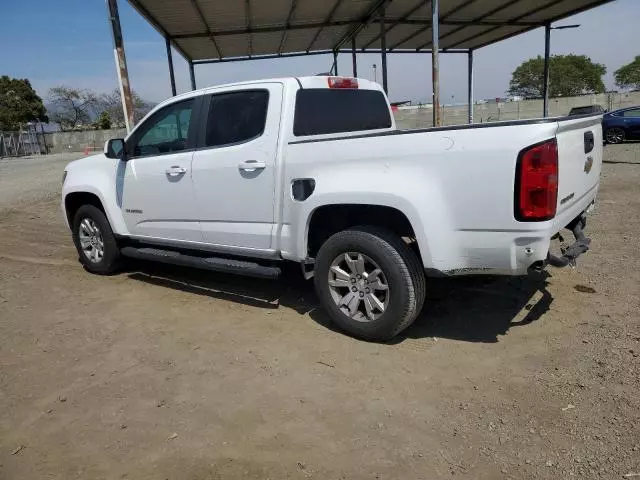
(240, 178)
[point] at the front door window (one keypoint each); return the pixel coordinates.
(165, 132)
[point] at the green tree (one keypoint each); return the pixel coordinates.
(569, 75)
(104, 121)
(19, 103)
(628, 76)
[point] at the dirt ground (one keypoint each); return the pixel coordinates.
(167, 373)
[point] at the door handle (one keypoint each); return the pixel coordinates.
(252, 165)
(176, 170)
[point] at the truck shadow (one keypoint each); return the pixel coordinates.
(480, 309)
(470, 309)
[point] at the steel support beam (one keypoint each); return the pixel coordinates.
(327, 21)
(121, 64)
(271, 56)
(192, 76)
(247, 12)
(283, 39)
(545, 85)
(435, 63)
(470, 85)
(196, 7)
(172, 77)
(353, 57)
(144, 13)
(369, 17)
(391, 23)
(397, 22)
(514, 20)
(481, 18)
(383, 47)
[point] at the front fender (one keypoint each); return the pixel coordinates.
(102, 185)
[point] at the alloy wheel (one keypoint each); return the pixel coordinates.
(358, 286)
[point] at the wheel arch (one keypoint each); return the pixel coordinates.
(328, 219)
(605, 129)
(74, 200)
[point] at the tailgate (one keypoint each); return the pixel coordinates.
(579, 160)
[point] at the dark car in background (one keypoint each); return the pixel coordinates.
(621, 125)
(587, 109)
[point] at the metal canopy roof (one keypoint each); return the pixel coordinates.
(219, 29)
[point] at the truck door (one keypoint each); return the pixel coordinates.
(157, 192)
(234, 167)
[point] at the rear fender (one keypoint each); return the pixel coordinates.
(304, 212)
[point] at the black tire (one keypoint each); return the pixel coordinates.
(110, 261)
(401, 267)
(615, 135)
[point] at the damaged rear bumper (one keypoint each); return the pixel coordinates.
(572, 252)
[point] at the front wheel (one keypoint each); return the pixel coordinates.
(370, 282)
(614, 135)
(94, 240)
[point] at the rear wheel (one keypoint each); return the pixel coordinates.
(94, 240)
(615, 135)
(370, 282)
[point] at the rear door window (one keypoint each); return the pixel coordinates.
(324, 110)
(236, 117)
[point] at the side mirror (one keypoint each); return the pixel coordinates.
(114, 148)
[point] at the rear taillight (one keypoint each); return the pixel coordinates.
(536, 193)
(342, 82)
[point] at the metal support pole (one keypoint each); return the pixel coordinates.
(192, 76)
(172, 77)
(353, 57)
(470, 85)
(383, 48)
(121, 63)
(334, 67)
(545, 86)
(435, 65)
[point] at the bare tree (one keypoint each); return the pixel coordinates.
(112, 104)
(72, 108)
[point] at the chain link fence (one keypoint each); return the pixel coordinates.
(422, 116)
(24, 142)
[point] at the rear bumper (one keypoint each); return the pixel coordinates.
(573, 251)
(515, 252)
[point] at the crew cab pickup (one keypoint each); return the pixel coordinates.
(241, 178)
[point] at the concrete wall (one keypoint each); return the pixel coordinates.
(413, 117)
(79, 141)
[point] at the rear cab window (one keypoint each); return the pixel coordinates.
(322, 111)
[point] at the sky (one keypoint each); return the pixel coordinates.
(68, 42)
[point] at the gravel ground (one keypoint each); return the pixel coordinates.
(26, 179)
(168, 373)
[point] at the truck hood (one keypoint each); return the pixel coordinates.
(92, 162)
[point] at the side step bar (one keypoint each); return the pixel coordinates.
(217, 264)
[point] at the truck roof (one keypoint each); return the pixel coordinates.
(318, 81)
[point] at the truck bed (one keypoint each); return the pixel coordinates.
(457, 186)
